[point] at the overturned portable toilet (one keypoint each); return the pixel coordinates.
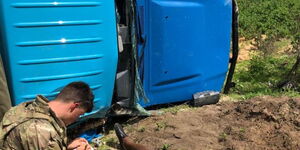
(48, 44)
(174, 48)
(183, 47)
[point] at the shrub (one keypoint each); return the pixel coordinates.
(268, 22)
(274, 18)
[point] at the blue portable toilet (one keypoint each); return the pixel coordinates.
(48, 44)
(183, 47)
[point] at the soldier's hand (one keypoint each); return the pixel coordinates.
(79, 144)
(84, 147)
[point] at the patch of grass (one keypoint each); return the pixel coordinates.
(260, 75)
(141, 129)
(104, 147)
(176, 109)
(222, 137)
(282, 44)
(161, 125)
(241, 97)
(242, 130)
(165, 147)
(108, 143)
(246, 96)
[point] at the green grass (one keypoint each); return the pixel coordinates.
(222, 137)
(282, 44)
(108, 142)
(141, 129)
(176, 109)
(165, 147)
(260, 75)
(161, 125)
(242, 130)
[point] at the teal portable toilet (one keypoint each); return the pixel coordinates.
(48, 44)
(183, 47)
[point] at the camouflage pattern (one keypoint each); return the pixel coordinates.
(32, 126)
(5, 103)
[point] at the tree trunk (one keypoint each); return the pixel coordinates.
(291, 76)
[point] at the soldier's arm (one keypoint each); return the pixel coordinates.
(38, 134)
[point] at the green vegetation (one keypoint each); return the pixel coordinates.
(274, 18)
(222, 137)
(259, 76)
(242, 130)
(107, 143)
(161, 125)
(141, 129)
(274, 25)
(177, 108)
(165, 147)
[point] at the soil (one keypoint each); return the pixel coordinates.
(246, 49)
(259, 123)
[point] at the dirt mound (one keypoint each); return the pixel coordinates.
(260, 123)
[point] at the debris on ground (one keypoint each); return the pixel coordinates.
(259, 123)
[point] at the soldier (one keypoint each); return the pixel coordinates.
(41, 124)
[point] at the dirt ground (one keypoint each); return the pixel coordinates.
(259, 123)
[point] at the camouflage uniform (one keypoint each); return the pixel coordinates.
(32, 126)
(5, 103)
